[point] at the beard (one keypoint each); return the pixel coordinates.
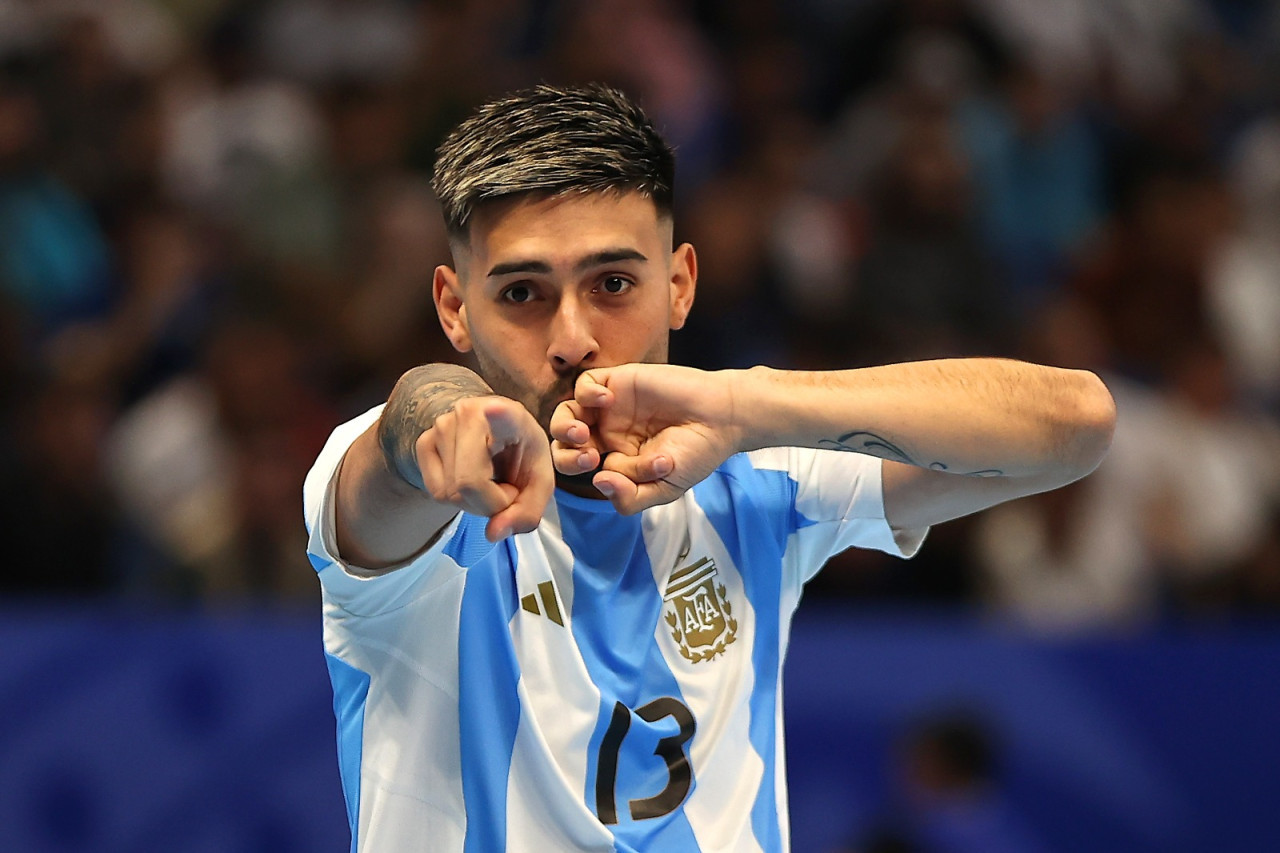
(542, 403)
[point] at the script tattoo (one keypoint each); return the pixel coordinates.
(861, 441)
(422, 395)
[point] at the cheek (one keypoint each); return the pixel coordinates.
(635, 337)
(509, 362)
(511, 338)
(499, 377)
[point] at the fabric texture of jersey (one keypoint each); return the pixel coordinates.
(602, 683)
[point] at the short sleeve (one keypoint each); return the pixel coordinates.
(355, 589)
(839, 504)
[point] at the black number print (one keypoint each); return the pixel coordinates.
(670, 749)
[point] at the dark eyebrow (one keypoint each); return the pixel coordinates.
(607, 256)
(540, 267)
(595, 259)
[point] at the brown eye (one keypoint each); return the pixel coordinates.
(616, 284)
(517, 294)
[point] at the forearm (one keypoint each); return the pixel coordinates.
(383, 516)
(981, 417)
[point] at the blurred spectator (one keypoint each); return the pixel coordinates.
(1181, 503)
(139, 35)
(1217, 478)
(932, 76)
(925, 286)
(948, 780)
(96, 107)
(735, 324)
(232, 130)
(54, 257)
(1145, 276)
(874, 38)
(1037, 178)
(1130, 43)
(59, 520)
(951, 778)
(388, 320)
(654, 50)
(321, 41)
(168, 293)
(1243, 280)
(1256, 581)
(206, 470)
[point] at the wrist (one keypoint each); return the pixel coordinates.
(752, 391)
(419, 397)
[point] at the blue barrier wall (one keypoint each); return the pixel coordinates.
(1162, 742)
(214, 732)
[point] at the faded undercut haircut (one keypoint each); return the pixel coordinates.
(547, 141)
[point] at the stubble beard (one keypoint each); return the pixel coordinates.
(542, 405)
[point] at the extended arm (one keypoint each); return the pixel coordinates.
(957, 435)
(444, 443)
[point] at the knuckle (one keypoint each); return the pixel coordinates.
(469, 488)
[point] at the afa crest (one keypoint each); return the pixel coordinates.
(701, 616)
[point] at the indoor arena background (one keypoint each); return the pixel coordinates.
(216, 242)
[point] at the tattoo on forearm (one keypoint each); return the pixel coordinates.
(869, 443)
(422, 395)
(861, 441)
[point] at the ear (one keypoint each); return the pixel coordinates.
(684, 281)
(446, 291)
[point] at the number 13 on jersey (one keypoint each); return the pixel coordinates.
(670, 749)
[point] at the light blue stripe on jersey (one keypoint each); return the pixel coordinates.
(616, 607)
(488, 674)
(350, 692)
(753, 513)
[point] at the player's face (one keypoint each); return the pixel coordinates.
(547, 288)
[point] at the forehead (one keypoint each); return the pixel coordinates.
(563, 227)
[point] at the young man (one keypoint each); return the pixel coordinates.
(557, 590)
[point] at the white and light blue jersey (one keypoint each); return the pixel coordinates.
(602, 683)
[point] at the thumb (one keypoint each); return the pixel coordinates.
(592, 388)
(645, 467)
(629, 497)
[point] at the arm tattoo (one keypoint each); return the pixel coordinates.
(860, 441)
(422, 395)
(869, 443)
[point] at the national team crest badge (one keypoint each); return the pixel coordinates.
(700, 615)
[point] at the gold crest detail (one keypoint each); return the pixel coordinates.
(701, 616)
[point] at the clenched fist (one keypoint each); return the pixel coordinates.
(659, 429)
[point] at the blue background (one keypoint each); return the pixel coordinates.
(146, 731)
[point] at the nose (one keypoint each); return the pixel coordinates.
(572, 343)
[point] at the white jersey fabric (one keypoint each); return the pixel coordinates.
(602, 683)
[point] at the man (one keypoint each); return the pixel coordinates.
(557, 590)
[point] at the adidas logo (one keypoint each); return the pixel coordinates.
(547, 592)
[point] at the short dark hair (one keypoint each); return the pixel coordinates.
(547, 141)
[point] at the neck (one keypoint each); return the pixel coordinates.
(579, 485)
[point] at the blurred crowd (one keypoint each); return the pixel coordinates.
(217, 240)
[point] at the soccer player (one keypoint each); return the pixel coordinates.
(557, 588)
